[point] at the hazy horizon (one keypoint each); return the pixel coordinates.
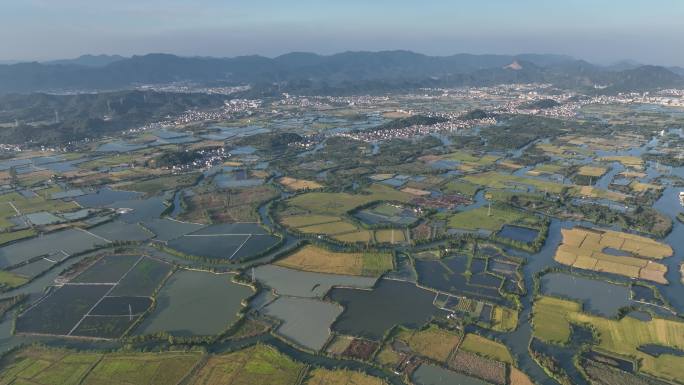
(609, 32)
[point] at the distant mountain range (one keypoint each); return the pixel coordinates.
(348, 72)
(88, 60)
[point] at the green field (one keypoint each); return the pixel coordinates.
(504, 319)
(479, 218)
(340, 377)
(552, 318)
(63, 367)
(319, 260)
(325, 203)
(550, 323)
(257, 365)
(10, 280)
(501, 181)
(460, 187)
(487, 348)
(433, 342)
(32, 205)
(14, 235)
(466, 157)
(163, 183)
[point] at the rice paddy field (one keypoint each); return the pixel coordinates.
(433, 342)
(592, 171)
(552, 318)
(255, 365)
(160, 184)
(324, 203)
(318, 260)
(633, 162)
(613, 252)
(503, 181)
(487, 348)
(304, 247)
(340, 377)
(482, 218)
(293, 184)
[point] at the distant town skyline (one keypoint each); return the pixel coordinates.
(602, 32)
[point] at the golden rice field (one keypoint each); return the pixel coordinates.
(293, 184)
(585, 249)
(341, 377)
(593, 192)
(627, 161)
(41, 366)
(504, 319)
(319, 260)
(517, 377)
(390, 236)
(639, 187)
(592, 171)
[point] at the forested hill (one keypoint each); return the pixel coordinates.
(349, 72)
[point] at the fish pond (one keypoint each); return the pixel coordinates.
(306, 284)
(305, 321)
(427, 374)
(598, 297)
(195, 303)
(370, 313)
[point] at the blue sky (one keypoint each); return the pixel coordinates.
(648, 31)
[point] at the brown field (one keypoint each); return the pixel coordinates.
(318, 260)
(293, 184)
(341, 377)
(414, 191)
(360, 349)
(473, 365)
(517, 377)
(585, 249)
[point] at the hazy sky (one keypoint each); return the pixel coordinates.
(649, 31)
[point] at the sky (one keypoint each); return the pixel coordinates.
(601, 31)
